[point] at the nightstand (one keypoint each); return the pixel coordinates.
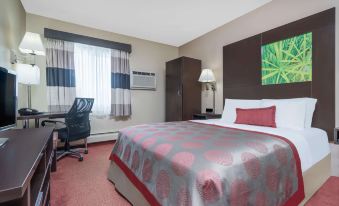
(206, 116)
(336, 135)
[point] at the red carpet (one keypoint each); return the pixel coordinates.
(327, 195)
(85, 183)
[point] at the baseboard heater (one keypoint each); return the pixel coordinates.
(103, 133)
(101, 137)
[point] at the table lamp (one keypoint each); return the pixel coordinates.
(208, 77)
(29, 74)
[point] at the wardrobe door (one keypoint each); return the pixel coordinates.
(173, 91)
(191, 70)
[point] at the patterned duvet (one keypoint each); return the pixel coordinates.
(187, 163)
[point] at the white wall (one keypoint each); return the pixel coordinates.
(12, 29)
(147, 106)
(208, 47)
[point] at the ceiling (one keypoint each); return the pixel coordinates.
(172, 22)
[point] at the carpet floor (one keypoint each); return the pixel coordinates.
(85, 183)
(327, 195)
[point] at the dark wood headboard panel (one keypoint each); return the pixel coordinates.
(242, 67)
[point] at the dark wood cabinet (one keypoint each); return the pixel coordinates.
(183, 91)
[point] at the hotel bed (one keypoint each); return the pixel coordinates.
(182, 181)
(311, 143)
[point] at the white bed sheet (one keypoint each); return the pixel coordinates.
(311, 143)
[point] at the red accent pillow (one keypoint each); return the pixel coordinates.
(257, 116)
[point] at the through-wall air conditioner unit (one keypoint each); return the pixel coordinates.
(143, 80)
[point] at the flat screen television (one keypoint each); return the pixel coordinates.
(7, 99)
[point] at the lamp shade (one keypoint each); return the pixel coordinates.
(207, 76)
(32, 44)
(28, 74)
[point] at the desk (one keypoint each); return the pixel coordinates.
(37, 117)
(25, 163)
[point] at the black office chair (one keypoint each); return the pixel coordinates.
(76, 126)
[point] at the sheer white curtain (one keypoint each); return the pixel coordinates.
(93, 76)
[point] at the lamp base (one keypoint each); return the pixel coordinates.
(213, 88)
(29, 99)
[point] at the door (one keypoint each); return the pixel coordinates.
(173, 91)
(191, 89)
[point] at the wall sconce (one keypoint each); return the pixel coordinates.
(208, 77)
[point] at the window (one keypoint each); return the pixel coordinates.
(93, 76)
(81, 70)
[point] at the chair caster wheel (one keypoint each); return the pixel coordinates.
(86, 151)
(81, 159)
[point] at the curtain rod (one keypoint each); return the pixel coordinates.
(65, 36)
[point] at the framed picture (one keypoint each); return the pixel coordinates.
(287, 61)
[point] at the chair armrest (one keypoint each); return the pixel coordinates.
(54, 122)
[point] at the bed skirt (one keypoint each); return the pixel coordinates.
(313, 179)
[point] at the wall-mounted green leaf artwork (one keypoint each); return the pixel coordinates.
(287, 61)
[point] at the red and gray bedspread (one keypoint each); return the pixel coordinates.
(187, 163)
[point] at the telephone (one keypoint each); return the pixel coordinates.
(28, 111)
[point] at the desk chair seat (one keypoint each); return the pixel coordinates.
(76, 127)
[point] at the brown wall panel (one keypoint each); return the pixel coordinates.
(268, 92)
(323, 84)
(242, 67)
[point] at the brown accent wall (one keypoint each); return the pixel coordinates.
(242, 67)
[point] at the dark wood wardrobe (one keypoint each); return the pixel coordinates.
(183, 91)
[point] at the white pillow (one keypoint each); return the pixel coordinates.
(229, 114)
(310, 107)
(288, 114)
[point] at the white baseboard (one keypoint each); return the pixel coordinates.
(102, 137)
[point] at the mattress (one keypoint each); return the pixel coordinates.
(311, 143)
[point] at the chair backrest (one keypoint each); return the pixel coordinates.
(77, 118)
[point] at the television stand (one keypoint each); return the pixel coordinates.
(25, 163)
